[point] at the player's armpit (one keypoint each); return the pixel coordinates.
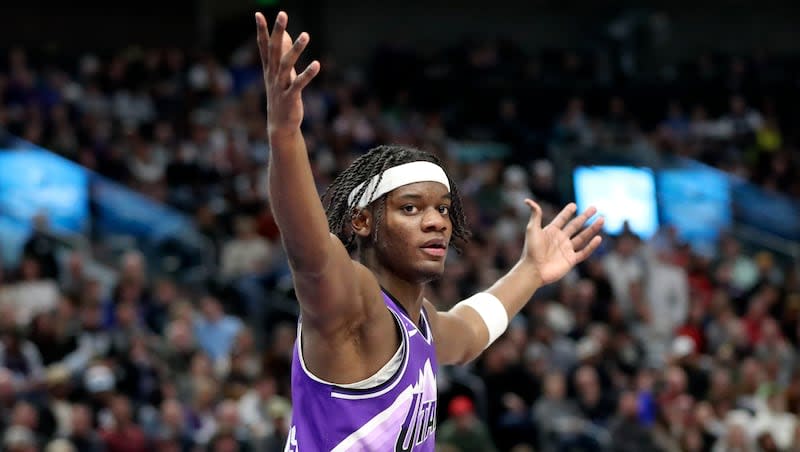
(344, 294)
(460, 334)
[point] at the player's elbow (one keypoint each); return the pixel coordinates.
(472, 350)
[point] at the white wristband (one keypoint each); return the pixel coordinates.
(492, 312)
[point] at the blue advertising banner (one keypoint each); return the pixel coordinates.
(771, 212)
(13, 235)
(118, 210)
(620, 194)
(35, 181)
(697, 202)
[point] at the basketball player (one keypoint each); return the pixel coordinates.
(368, 343)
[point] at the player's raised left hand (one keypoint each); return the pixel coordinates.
(562, 244)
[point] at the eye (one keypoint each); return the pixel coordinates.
(409, 208)
(444, 210)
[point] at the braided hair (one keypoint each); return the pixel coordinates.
(341, 211)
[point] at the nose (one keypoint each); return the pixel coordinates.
(433, 220)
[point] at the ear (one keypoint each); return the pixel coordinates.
(362, 223)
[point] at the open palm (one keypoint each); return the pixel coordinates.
(558, 247)
(283, 85)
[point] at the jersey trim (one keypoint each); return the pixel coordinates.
(424, 325)
(352, 394)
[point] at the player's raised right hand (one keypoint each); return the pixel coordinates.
(284, 86)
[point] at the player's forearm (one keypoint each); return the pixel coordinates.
(485, 315)
(517, 287)
(296, 204)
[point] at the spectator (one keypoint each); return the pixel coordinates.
(82, 433)
(187, 129)
(21, 357)
(464, 430)
(124, 435)
(627, 432)
(216, 331)
(554, 414)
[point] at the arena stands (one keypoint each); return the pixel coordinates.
(648, 346)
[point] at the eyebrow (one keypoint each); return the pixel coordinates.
(416, 196)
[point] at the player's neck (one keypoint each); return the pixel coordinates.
(408, 294)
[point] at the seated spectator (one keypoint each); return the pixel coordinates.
(463, 429)
(215, 331)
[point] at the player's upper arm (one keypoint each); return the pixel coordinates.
(460, 334)
(341, 292)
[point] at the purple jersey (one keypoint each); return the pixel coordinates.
(398, 415)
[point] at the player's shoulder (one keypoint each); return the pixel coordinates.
(369, 287)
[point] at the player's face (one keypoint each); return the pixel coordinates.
(415, 232)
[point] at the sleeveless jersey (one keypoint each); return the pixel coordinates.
(398, 415)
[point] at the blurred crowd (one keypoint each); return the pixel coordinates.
(647, 346)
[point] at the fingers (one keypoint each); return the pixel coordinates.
(305, 77)
(276, 42)
(587, 251)
(289, 59)
(536, 214)
(262, 39)
(566, 213)
(583, 238)
(577, 223)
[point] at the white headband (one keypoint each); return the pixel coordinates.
(397, 176)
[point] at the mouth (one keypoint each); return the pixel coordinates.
(435, 247)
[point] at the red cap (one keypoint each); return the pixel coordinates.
(460, 406)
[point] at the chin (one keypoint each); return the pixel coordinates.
(431, 274)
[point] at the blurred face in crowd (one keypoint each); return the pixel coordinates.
(166, 291)
(767, 443)
(693, 441)
(133, 268)
(92, 292)
(92, 316)
(628, 405)
(81, 420)
(770, 331)
(283, 339)
(587, 384)
(752, 374)
(245, 342)
(7, 393)
(626, 245)
(266, 387)
(645, 381)
(30, 269)
(736, 437)
(75, 265)
(25, 414)
(555, 386)
(172, 414)
(676, 380)
(204, 393)
(201, 365)
(585, 292)
(181, 336)
(11, 341)
(226, 444)
(126, 315)
(121, 410)
(212, 310)
(703, 414)
(168, 446)
(228, 415)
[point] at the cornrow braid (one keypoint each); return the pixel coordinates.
(341, 211)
